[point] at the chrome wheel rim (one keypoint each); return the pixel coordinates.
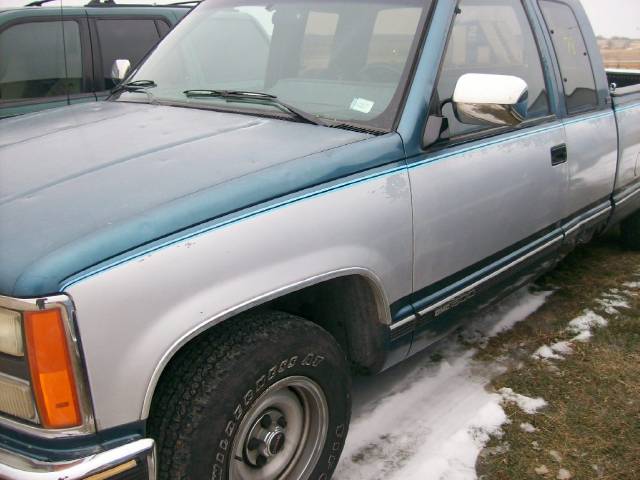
(282, 435)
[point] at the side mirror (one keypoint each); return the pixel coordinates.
(119, 69)
(491, 100)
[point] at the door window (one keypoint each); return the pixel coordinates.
(124, 39)
(573, 57)
(32, 60)
(492, 37)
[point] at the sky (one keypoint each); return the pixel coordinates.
(609, 17)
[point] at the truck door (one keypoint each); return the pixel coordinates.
(590, 124)
(488, 202)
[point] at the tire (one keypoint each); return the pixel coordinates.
(208, 412)
(630, 232)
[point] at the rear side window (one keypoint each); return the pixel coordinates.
(124, 39)
(32, 60)
(492, 37)
(573, 57)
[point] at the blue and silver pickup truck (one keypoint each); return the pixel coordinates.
(283, 192)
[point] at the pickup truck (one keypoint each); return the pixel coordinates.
(281, 194)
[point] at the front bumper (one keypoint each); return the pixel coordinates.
(133, 461)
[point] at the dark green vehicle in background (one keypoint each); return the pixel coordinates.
(52, 56)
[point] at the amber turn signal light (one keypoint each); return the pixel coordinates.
(52, 374)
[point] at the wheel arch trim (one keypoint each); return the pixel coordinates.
(384, 317)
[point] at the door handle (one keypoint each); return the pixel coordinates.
(559, 154)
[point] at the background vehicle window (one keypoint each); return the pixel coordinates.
(575, 64)
(163, 28)
(129, 39)
(32, 60)
(492, 37)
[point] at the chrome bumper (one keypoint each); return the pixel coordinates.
(119, 462)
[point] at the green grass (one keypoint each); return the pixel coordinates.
(593, 416)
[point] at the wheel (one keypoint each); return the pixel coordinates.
(630, 231)
(265, 397)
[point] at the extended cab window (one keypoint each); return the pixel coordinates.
(33, 63)
(126, 39)
(575, 64)
(492, 37)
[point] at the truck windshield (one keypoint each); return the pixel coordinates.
(344, 61)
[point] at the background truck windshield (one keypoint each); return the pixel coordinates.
(340, 60)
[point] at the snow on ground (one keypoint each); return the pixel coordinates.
(583, 325)
(426, 420)
(526, 404)
(528, 428)
(545, 352)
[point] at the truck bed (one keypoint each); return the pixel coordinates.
(623, 78)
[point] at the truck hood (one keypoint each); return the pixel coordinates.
(83, 184)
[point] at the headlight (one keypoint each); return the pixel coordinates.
(11, 341)
(16, 398)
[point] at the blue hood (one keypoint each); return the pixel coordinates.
(83, 184)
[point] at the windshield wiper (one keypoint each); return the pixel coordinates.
(257, 96)
(137, 86)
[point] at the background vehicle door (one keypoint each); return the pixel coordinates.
(35, 73)
(487, 201)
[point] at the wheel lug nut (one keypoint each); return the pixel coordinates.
(261, 461)
(254, 444)
(282, 422)
(266, 421)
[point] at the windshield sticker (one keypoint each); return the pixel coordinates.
(362, 105)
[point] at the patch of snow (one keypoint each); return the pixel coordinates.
(545, 352)
(542, 470)
(510, 315)
(583, 336)
(423, 420)
(564, 474)
(528, 428)
(526, 404)
(586, 322)
(555, 455)
(557, 351)
(635, 285)
(612, 303)
(563, 348)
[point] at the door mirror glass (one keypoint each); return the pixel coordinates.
(120, 69)
(491, 100)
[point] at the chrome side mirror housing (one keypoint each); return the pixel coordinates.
(120, 69)
(491, 100)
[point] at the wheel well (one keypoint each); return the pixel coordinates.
(352, 309)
